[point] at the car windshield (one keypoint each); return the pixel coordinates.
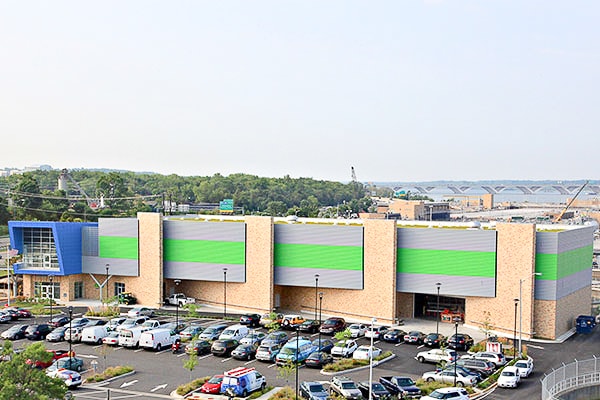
(405, 382)
(288, 350)
(348, 385)
(316, 388)
(330, 322)
(437, 395)
(508, 373)
(129, 321)
(378, 386)
(209, 331)
(190, 329)
(215, 379)
(521, 364)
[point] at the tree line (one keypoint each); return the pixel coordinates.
(92, 194)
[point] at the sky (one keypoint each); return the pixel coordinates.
(418, 90)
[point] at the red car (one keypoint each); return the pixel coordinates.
(213, 385)
(56, 354)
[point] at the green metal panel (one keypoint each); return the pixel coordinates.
(204, 251)
(447, 262)
(118, 247)
(318, 256)
(557, 266)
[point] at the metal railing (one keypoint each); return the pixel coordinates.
(571, 376)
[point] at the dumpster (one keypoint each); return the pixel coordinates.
(585, 324)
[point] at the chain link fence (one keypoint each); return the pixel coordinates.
(571, 376)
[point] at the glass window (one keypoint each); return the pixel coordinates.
(39, 249)
(78, 293)
(119, 288)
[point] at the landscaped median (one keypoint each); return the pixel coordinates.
(349, 364)
(110, 373)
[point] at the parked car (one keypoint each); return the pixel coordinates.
(15, 332)
(24, 313)
(179, 299)
(37, 331)
(401, 386)
(190, 332)
(73, 335)
(448, 376)
(434, 340)
(70, 363)
(447, 393)
(332, 325)
(72, 379)
(151, 324)
(76, 322)
(268, 351)
(213, 385)
(462, 341)
(250, 320)
(241, 381)
(318, 359)
(378, 391)
(253, 337)
(14, 315)
(395, 335)
(245, 351)
(96, 322)
(94, 334)
(130, 323)
(223, 347)
(268, 319)
(476, 374)
(114, 322)
(378, 332)
(414, 337)
(59, 320)
(126, 298)
(509, 377)
(344, 348)
(497, 358)
(278, 337)
(292, 321)
(357, 330)
(344, 387)
(140, 311)
(296, 350)
(112, 339)
(57, 334)
(313, 391)
(364, 352)
(525, 367)
(212, 332)
(5, 317)
(56, 354)
(485, 368)
(437, 355)
(174, 326)
(310, 325)
(323, 344)
(198, 347)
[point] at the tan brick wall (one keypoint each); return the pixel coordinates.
(148, 286)
(405, 305)
(377, 299)
(544, 319)
(515, 261)
(570, 307)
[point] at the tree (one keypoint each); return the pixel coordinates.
(191, 363)
(18, 381)
(343, 335)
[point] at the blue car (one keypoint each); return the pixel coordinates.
(326, 345)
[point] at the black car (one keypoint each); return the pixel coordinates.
(313, 391)
(37, 332)
(223, 347)
(394, 335)
(414, 337)
(310, 325)
(378, 391)
(250, 320)
(462, 341)
(434, 340)
(15, 332)
(318, 359)
(59, 320)
(198, 347)
(245, 351)
(126, 298)
(324, 345)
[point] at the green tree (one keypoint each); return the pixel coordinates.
(18, 381)
(343, 335)
(191, 363)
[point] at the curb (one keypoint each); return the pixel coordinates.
(109, 379)
(376, 363)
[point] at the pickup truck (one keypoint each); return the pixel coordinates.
(401, 386)
(179, 299)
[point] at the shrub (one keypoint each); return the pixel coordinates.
(109, 372)
(186, 388)
(103, 311)
(285, 393)
(349, 363)
(258, 393)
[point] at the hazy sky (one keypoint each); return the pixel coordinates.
(401, 90)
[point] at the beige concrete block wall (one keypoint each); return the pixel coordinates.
(148, 287)
(515, 261)
(544, 319)
(570, 307)
(377, 299)
(488, 201)
(405, 303)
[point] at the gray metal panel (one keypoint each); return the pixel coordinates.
(195, 230)
(447, 239)
(451, 285)
(545, 289)
(327, 278)
(117, 266)
(89, 241)
(575, 239)
(121, 227)
(572, 283)
(319, 234)
(204, 272)
(546, 242)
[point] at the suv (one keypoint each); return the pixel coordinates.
(345, 387)
(497, 358)
(292, 321)
(462, 341)
(268, 351)
(223, 347)
(333, 325)
(448, 393)
(484, 367)
(278, 337)
(37, 332)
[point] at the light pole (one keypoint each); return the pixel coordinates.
(224, 293)
(70, 309)
(106, 283)
(296, 358)
(456, 348)
(437, 311)
(430, 213)
(373, 320)
(521, 310)
(320, 309)
(51, 296)
(515, 330)
(316, 292)
(177, 282)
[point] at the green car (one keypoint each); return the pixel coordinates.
(127, 298)
(70, 363)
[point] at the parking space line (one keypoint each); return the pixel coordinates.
(272, 365)
(226, 359)
(206, 356)
(138, 350)
(421, 346)
(249, 362)
(398, 344)
(180, 355)
(162, 351)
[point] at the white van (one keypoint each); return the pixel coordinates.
(235, 332)
(157, 339)
(94, 334)
(130, 337)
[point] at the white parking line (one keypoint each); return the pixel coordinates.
(138, 350)
(180, 355)
(206, 356)
(398, 344)
(226, 359)
(75, 345)
(421, 346)
(162, 351)
(97, 346)
(535, 347)
(249, 362)
(272, 365)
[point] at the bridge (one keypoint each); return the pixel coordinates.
(529, 189)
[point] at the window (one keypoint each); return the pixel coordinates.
(78, 292)
(39, 249)
(119, 288)
(46, 290)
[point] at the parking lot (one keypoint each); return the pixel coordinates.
(159, 373)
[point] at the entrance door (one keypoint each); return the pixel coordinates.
(46, 291)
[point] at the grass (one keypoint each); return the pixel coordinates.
(109, 372)
(108, 311)
(189, 387)
(286, 393)
(350, 363)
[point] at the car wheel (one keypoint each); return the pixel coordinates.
(421, 359)
(245, 393)
(158, 347)
(78, 368)
(430, 379)
(99, 341)
(460, 384)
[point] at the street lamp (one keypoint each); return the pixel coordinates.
(320, 309)
(51, 296)
(373, 320)
(70, 309)
(316, 292)
(515, 330)
(177, 282)
(521, 310)
(224, 293)
(456, 348)
(106, 283)
(437, 310)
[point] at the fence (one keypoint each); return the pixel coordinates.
(571, 376)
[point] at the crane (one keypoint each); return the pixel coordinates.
(564, 210)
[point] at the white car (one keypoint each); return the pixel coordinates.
(344, 348)
(525, 367)
(436, 355)
(71, 378)
(448, 376)
(448, 393)
(496, 358)
(140, 311)
(509, 377)
(357, 330)
(364, 352)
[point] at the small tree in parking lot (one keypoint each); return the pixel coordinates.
(343, 335)
(191, 363)
(274, 324)
(285, 371)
